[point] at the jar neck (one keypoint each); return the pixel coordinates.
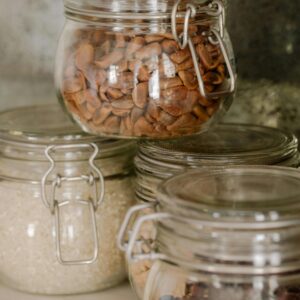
(227, 251)
(137, 12)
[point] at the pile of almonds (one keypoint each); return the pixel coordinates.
(140, 85)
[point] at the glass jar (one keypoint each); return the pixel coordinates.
(64, 195)
(145, 69)
(225, 233)
(226, 144)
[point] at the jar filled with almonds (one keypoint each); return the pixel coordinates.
(145, 69)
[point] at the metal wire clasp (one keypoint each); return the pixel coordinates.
(132, 212)
(51, 202)
(215, 37)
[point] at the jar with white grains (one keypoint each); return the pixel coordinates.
(226, 144)
(63, 197)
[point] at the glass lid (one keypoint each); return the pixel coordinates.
(44, 125)
(238, 196)
(225, 144)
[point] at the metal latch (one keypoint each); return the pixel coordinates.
(215, 37)
(96, 182)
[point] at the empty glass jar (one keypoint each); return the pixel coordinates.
(63, 196)
(225, 233)
(227, 144)
(145, 69)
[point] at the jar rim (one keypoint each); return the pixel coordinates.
(227, 143)
(237, 197)
(49, 126)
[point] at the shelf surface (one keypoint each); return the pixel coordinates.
(122, 292)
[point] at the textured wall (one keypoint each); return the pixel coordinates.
(266, 37)
(28, 31)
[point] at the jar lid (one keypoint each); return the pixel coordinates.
(235, 197)
(223, 145)
(39, 126)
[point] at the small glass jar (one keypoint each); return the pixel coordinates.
(227, 144)
(63, 197)
(225, 233)
(145, 69)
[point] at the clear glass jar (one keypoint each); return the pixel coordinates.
(225, 233)
(63, 197)
(227, 144)
(145, 69)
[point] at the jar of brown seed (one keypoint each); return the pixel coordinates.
(143, 69)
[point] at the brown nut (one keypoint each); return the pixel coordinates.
(135, 44)
(136, 113)
(91, 97)
(206, 58)
(110, 59)
(166, 119)
(186, 65)
(175, 94)
(84, 56)
(170, 83)
(180, 56)
(213, 78)
(142, 127)
(84, 112)
(102, 91)
(201, 113)
(153, 38)
(144, 74)
(185, 122)
(125, 104)
(170, 46)
(126, 126)
(122, 66)
(112, 124)
(153, 110)
(74, 84)
(102, 114)
(114, 93)
(120, 40)
(212, 109)
(189, 79)
(102, 50)
(149, 51)
(140, 94)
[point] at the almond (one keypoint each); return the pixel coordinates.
(140, 94)
(84, 56)
(110, 59)
(135, 44)
(149, 51)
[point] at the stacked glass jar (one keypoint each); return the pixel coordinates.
(225, 145)
(224, 233)
(64, 195)
(132, 69)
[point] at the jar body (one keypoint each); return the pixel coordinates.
(172, 282)
(28, 258)
(128, 82)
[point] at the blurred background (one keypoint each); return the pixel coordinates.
(265, 35)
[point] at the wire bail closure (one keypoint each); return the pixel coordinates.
(50, 201)
(215, 37)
